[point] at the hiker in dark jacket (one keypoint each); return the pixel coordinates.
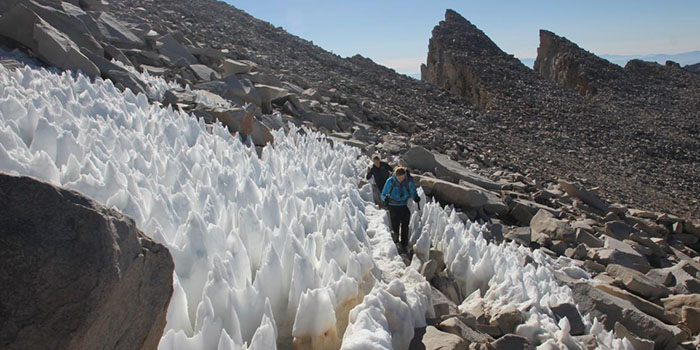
(397, 190)
(381, 172)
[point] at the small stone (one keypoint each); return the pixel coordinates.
(692, 226)
(637, 282)
(439, 259)
(433, 339)
(428, 269)
(544, 223)
(690, 317)
(593, 266)
(559, 247)
(569, 311)
(455, 326)
(618, 230)
(511, 342)
(610, 217)
(582, 236)
(521, 235)
(491, 330)
(684, 238)
(507, 318)
(638, 343)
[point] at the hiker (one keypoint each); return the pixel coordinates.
(381, 172)
(397, 190)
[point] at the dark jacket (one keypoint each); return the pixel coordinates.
(398, 193)
(380, 173)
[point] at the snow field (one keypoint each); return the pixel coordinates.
(266, 250)
(493, 275)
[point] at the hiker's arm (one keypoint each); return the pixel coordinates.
(388, 168)
(369, 172)
(412, 189)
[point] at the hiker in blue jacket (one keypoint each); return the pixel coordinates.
(397, 190)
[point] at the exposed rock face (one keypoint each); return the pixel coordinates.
(611, 309)
(464, 61)
(76, 275)
(563, 62)
(50, 44)
(695, 68)
(547, 103)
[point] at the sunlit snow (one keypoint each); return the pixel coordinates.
(266, 249)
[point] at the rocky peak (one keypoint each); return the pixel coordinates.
(465, 35)
(563, 62)
(463, 60)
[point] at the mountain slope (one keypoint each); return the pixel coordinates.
(575, 139)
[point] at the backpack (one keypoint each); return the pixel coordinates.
(405, 184)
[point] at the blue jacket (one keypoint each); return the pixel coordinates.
(398, 193)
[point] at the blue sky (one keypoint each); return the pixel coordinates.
(396, 33)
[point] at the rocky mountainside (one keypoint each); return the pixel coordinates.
(563, 62)
(624, 137)
(524, 124)
(499, 142)
(531, 127)
(695, 68)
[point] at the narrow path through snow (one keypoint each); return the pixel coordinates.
(265, 249)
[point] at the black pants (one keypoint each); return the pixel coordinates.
(400, 216)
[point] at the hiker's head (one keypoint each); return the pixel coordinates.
(375, 159)
(400, 174)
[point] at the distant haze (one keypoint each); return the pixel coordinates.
(395, 33)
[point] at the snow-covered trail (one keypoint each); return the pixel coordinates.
(265, 249)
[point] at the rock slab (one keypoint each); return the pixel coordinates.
(76, 275)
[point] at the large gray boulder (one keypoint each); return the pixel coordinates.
(680, 277)
(610, 309)
(230, 66)
(169, 47)
(618, 230)
(457, 195)
(75, 274)
(507, 318)
(239, 120)
(433, 339)
(570, 312)
(242, 90)
(637, 282)
(511, 342)
(456, 326)
(638, 343)
(70, 20)
(202, 72)
(24, 26)
(117, 32)
(546, 224)
(121, 77)
(442, 166)
(268, 94)
(93, 5)
(322, 120)
(674, 304)
(587, 197)
(625, 254)
(640, 303)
